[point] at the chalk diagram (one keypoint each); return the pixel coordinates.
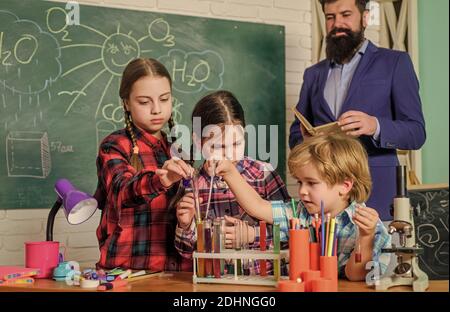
(27, 70)
(34, 70)
(28, 154)
(433, 230)
(191, 72)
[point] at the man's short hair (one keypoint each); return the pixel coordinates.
(361, 4)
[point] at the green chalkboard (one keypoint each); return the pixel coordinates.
(430, 203)
(59, 83)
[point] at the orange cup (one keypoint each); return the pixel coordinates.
(329, 269)
(314, 253)
(308, 277)
(298, 253)
(290, 286)
(322, 285)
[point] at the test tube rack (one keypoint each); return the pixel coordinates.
(236, 255)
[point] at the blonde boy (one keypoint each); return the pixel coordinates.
(334, 169)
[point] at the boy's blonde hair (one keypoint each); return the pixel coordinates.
(336, 157)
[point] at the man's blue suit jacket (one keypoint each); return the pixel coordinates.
(384, 85)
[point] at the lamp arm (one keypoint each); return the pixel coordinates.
(51, 218)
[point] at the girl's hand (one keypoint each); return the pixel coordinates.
(247, 236)
(224, 168)
(186, 210)
(210, 167)
(173, 171)
(366, 219)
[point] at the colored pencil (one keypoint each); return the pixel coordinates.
(323, 231)
(316, 216)
(327, 234)
(294, 208)
(331, 237)
(146, 275)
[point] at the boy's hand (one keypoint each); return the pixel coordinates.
(366, 219)
(225, 168)
(247, 237)
(173, 171)
(186, 210)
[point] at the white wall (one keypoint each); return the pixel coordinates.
(18, 226)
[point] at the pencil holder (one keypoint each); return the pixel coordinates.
(329, 269)
(298, 252)
(314, 253)
(322, 285)
(308, 277)
(290, 286)
(200, 248)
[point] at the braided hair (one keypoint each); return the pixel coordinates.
(135, 70)
(135, 161)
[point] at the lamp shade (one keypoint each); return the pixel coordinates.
(78, 206)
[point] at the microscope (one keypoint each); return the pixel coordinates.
(407, 271)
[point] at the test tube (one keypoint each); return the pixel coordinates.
(216, 244)
(195, 191)
(228, 263)
(276, 250)
(208, 247)
(238, 243)
(245, 246)
(262, 246)
(237, 235)
(200, 248)
(222, 244)
(358, 256)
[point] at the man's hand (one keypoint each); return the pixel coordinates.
(356, 123)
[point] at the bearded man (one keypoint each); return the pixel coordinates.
(372, 92)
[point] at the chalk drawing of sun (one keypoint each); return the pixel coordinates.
(116, 51)
(104, 72)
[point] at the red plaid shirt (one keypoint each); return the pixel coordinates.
(136, 229)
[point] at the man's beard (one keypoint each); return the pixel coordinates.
(342, 48)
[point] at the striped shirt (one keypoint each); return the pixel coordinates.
(260, 176)
(346, 232)
(136, 228)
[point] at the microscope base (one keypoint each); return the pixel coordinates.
(419, 281)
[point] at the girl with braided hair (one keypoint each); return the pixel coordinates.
(136, 176)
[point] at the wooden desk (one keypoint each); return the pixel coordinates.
(182, 282)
